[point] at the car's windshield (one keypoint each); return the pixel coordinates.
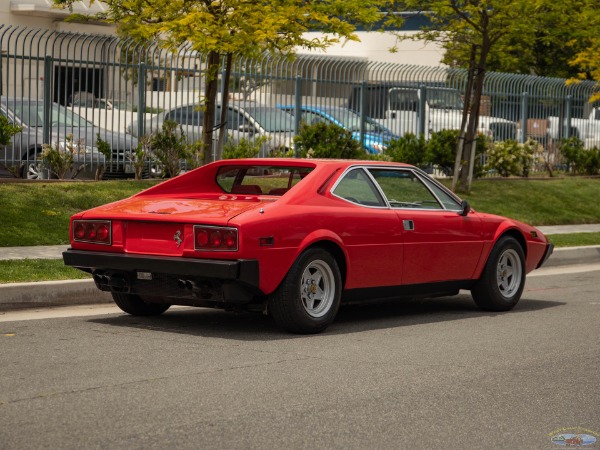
(444, 99)
(351, 121)
(272, 120)
(32, 115)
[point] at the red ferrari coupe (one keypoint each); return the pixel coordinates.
(295, 238)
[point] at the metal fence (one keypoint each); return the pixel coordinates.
(59, 83)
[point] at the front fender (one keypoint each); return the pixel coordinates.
(532, 240)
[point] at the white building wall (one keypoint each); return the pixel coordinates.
(375, 46)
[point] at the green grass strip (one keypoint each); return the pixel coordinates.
(575, 239)
(27, 270)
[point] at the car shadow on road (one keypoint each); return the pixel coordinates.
(350, 319)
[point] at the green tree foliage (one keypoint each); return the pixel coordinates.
(243, 148)
(476, 27)
(545, 46)
(409, 149)
(510, 158)
(579, 159)
(219, 29)
(59, 160)
(587, 60)
(7, 131)
(170, 148)
(322, 140)
(103, 148)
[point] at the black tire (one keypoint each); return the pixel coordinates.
(503, 277)
(309, 296)
(134, 305)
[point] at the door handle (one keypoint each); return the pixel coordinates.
(409, 225)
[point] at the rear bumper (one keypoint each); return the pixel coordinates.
(235, 281)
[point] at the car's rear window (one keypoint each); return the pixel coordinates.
(260, 180)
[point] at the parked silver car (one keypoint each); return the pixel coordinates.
(247, 122)
(23, 154)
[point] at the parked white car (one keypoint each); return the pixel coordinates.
(398, 108)
(586, 129)
(247, 123)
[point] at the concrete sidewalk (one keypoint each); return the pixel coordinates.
(70, 292)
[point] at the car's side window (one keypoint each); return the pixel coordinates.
(194, 116)
(357, 187)
(235, 120)
(311, 118)
(176, 115)
(447, 200)
(404, 189)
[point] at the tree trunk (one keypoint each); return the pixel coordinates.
(210, 97)
(224, 105)
(460, 144)
(470, 142)
(467, 176)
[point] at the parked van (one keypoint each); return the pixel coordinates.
(406, 108)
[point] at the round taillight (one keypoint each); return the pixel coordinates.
(103, 232)
(201, 238)
(216, 239)
(79, 231)
(91, 232)
(229, 239)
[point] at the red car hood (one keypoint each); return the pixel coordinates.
(216, 211)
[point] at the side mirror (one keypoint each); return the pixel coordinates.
(465, 208)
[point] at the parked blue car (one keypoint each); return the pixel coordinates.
(376, 136)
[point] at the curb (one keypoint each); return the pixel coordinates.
(83, 292)
(565, 256)
(51, 293)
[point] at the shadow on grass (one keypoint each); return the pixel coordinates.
(244, 326)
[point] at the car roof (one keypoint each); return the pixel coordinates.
(343, 163)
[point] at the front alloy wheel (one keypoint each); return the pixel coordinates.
(509, 273)
(502, 281)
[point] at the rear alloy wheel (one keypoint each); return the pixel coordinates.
(503, 278)
(309, 297)
(134, 305)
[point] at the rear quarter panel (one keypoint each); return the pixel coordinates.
(368, 239)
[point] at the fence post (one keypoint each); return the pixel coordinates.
(568, 114)
(141, 99)
(363, 107)
(48, 64)
(298, 110)
(524, 115)
(422, 109)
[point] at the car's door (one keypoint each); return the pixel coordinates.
(439, 243)
(370, 230)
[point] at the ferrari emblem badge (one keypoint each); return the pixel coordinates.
(177, 238)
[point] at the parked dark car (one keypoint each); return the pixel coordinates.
(24, 152)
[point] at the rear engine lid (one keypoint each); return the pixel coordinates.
(210, 211)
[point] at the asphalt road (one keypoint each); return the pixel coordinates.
(409, 375)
